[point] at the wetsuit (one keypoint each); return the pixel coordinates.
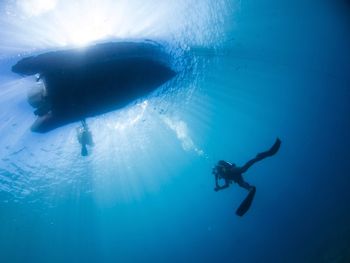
(231, 173)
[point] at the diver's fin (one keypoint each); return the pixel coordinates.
(275, 147)
(272, 151)
(84, 151)
(245, 205)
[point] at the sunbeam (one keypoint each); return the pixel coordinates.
(127, 139)
(36, 24)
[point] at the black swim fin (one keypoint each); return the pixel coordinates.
(84, 151)
(272, 151)
(245, 205)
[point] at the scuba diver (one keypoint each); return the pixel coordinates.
(230, 173)
(84, 138)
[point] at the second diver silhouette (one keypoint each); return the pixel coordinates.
(230, 173)
(84, 137)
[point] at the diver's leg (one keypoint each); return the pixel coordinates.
(260, 156)
(270, 152)
(83, 123)
(84, 151)
(245, 167)
(245, 185)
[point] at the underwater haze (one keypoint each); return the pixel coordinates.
(248, 72)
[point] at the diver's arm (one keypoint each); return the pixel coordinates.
(216, 182)
(218, 187)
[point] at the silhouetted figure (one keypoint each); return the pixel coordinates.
(231, 173)
(84, 138)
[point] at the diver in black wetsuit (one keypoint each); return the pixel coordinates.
(84, 138)
(232, 173)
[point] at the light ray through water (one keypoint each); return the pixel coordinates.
(126, 140)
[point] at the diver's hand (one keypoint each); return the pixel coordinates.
(216, 189)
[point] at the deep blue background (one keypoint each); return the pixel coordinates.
(282, 70)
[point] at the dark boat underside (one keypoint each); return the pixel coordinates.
(80, 83)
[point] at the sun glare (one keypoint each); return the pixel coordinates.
(42, 24)
(123, 138)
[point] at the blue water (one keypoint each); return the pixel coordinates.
(250, 71)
